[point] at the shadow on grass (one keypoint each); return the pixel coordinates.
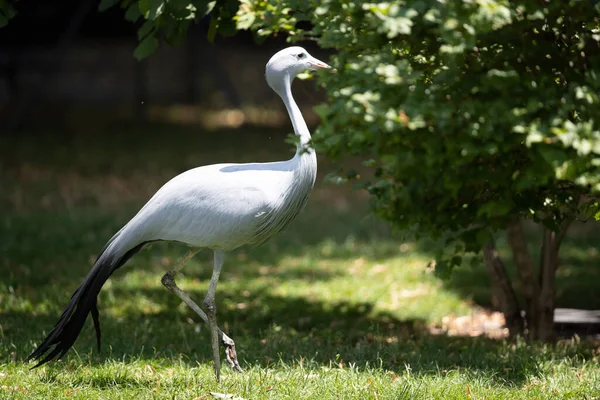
(346, 335)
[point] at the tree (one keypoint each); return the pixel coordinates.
(471, 115)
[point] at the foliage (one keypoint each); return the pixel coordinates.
(467, 113)
(158, 20)
(7, 11)
(170, 19)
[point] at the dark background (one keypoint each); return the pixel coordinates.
(65, 58)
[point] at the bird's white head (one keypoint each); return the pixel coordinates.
(286, 64)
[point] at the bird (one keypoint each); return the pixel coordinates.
(220, 207)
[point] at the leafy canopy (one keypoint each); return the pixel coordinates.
(468, 113)
(170, 19)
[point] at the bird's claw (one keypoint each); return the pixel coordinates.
(230, 353)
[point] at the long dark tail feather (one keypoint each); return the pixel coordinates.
(96, 319)
(83, 302)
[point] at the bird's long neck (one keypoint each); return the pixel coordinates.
(300, 128)
(295, 190)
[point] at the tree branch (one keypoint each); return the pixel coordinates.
(564, 227)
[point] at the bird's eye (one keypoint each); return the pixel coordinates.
(301, 56)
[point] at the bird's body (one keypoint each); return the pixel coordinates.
(224, 206)
(220, 206)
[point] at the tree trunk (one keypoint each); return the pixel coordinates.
(527, 275)
(503, 290)
(548, 266)
(548, 262)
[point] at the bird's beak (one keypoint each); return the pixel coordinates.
(316, 64)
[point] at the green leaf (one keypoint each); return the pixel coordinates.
(7, 9)
(590, 209)
(144, 7)
(176, 31)
(246, 20)
(146, 47)
(227, 27)
(483, 237)
(443, 269)
(229, 8)
(456, 261)
(106, 4)
(145, 29)
(179, 4)
(132, 13)
(551, 224)
(495, 208)
(204, 7)
(552, 155)
(474, 262)
(212, 29)
(151, 9)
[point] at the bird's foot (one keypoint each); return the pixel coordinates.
(230, 353)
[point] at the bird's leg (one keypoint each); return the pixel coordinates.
(168, 280)
(211, 310)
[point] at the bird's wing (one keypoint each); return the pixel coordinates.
(217, 206)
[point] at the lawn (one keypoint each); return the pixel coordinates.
(334, 307)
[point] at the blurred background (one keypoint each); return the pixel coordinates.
(60, 61)
(88, 134)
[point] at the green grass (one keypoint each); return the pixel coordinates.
(335, 307)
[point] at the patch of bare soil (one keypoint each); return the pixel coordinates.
(481, 322)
